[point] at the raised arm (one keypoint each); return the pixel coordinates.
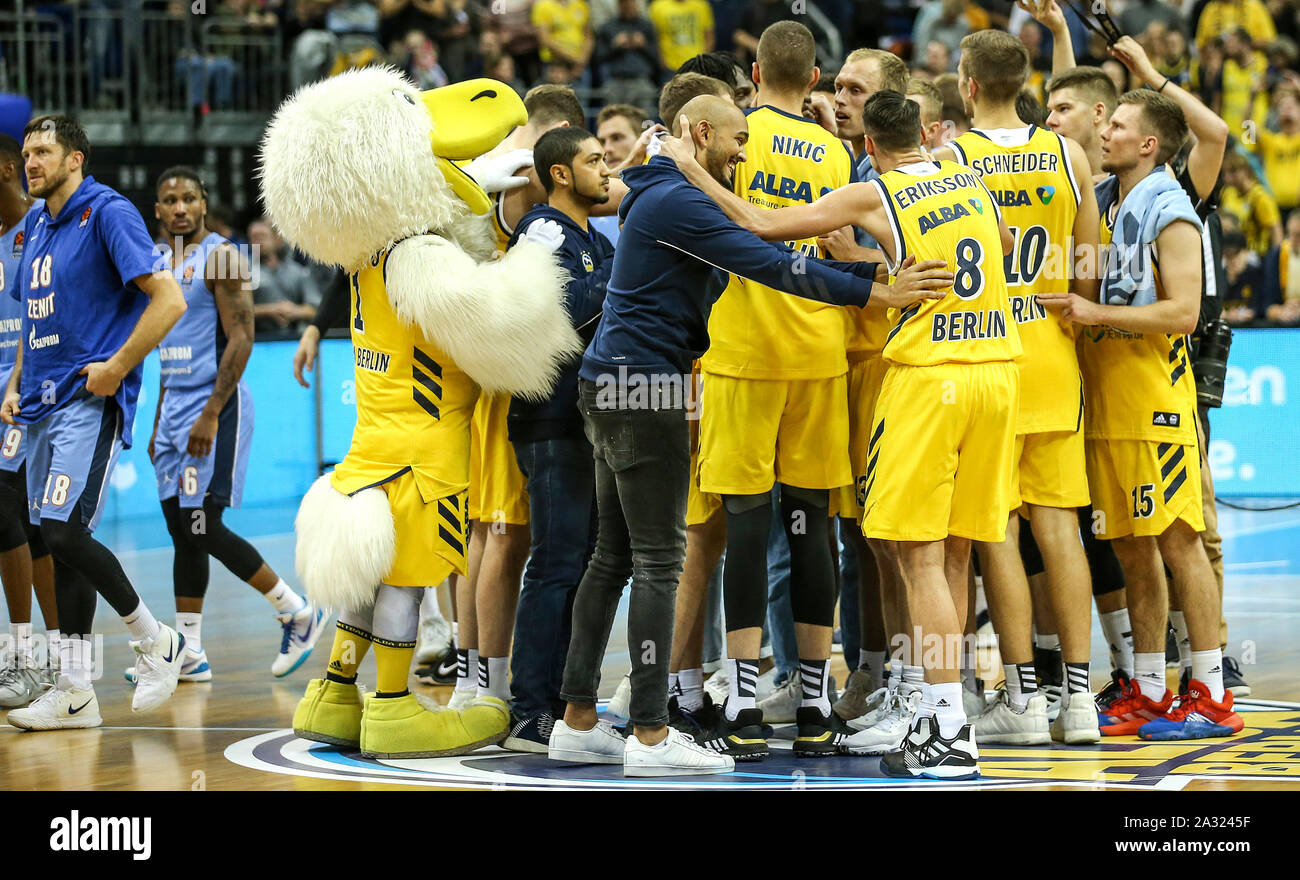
(1050, 16)
(1211, 131)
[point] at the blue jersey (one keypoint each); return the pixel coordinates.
(11, 309)
(192, 350)
(79, 305)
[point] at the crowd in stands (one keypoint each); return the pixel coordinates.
(1239, 56)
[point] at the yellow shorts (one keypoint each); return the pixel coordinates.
(700, 506)
(939, 455)
(755, 432)
(864, 379)
(1049, 470)
(430, 533)
(497, 489)
(1139, 487)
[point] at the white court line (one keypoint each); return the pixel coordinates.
(115, 727)
(1255, 530)
(1274, 563)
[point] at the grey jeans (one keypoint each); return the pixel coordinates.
(642, 461)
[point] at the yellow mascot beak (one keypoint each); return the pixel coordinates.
(470, 118)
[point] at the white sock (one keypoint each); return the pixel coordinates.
(1184, 641)
(1207, 668)
(1047, 641)
(20, 638)
(467, 673)
(895, 674)
(190, 625)
(284, 599)
(1021, 683)
(815, 676)
(494, 678)
(141, 623)
(52, 641)
(947, 708)
(690, 689)
(914, 675)
(1119, 636)
(742, 680)
(75, 660)
(1149, 673)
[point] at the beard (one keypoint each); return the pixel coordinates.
(716, 165)
(50, 183)
(597, 195)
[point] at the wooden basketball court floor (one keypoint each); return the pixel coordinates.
(233, 733)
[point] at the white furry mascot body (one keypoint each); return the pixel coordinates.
(356, 173)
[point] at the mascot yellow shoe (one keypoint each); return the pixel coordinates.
(487, 720)
(329, 712)
(400, 727)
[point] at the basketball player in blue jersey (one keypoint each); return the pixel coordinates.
(24, 559)
(95, 302)
(203, 428)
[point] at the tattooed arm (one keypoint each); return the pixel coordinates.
(235, 307)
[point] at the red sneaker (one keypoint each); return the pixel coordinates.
(1132, 710)
(1197, 717)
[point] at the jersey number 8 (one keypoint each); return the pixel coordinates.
(969, 280)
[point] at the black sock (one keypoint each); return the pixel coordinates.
(1076, 678)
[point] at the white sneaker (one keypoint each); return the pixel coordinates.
(765, 685)
(780, 707)
(434, 640)
(719, 686)
(1002, 724)
(462, 697)
(301, 630)
(19, 685)
(1052, 694)
(677, 755)
(886, 735)
(195, 668)
(1076, 723)
(600, 745)
(878, 703)
(621, 703)
(973, 704)
(60, 707)
(157, 669)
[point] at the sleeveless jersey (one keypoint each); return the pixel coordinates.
(11, 310)
(867, 327)
(192, 349)
(1137, 386)
(413, 402)
(1028, 172)
(756, 332)
(941, 211)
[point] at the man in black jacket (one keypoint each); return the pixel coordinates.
(553, 454)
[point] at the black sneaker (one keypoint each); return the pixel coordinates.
(818, 735)
(1233, 680)
(926, 754)
(742, 739)
(1113, 691)
(690, 723)
(530, 734)
(441, 673)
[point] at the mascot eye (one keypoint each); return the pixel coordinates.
(404, 96)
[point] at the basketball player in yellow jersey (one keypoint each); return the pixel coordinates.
(939, 466)
(1042, 183)
(774, 403)
(1143, 467)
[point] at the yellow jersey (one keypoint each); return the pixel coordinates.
(413, 403)
(682, 26)
(1028, 171)
(1136, 386)
(756, 332)
(1280, 153)
(566, 21)
(941, 211)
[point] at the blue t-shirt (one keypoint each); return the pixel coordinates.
(11, 309)
(191, 350)
(79, 305)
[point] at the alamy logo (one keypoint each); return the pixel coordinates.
(77, 833)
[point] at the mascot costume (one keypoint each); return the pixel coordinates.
(359, 171)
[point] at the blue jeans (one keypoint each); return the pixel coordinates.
(562, 509)
(851, 634)
(780, 617)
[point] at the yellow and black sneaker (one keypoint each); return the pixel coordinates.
(818, 735)
(742, 739)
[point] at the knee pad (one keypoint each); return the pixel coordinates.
(63, 538)
(819, 498)
(397, 614)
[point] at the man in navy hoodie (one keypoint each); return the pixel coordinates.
(675, 252)
(554, 455)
